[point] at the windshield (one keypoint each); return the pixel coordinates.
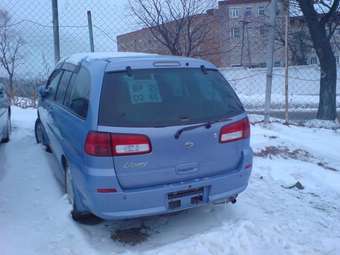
(165, 97)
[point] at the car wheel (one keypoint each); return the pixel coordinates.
(8, 130)
(38, 129)
(69, 187)
(81, 217)
(39, 134)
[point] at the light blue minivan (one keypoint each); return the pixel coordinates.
(139, 135)
(5, 116)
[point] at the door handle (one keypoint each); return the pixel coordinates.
(187, 168)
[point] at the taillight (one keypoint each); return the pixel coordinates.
(106, 144)
(235, 131)
(98, 144)
(130, 144)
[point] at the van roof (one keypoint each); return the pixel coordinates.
(78, 58)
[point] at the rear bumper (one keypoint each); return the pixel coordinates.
(155, 200)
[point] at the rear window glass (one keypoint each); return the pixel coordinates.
(165, 97)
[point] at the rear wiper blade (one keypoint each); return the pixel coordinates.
(207, 125)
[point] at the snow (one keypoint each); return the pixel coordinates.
(88, 56)
(304, 86)
(323, 124)
(312, 123)
(268, 219)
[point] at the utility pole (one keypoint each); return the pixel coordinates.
(244, 27)
(249, 49)
(270, 59)
(89, 21)
(286, 69)
(56, 37)
(242, 45)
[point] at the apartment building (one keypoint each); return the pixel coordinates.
(238, 36)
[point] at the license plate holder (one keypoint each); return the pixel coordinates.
(186, 193)
(186, 198)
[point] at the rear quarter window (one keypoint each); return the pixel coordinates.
(78, 94)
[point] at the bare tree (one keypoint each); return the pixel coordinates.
(10, 45)
(177, 25)
(299, 42)
(322, 18)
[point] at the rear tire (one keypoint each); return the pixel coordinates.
(8, 130)
(80, 217)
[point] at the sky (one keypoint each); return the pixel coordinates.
(32, 19)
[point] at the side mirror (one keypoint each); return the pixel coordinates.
(43, 91)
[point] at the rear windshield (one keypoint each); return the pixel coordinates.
(165, 97)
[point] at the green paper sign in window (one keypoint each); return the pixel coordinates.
(143, 91)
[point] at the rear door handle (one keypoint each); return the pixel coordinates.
(189, 168)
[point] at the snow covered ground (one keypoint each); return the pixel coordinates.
(269, 218)
(304, 86)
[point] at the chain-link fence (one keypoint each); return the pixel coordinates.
(303, 90)
(32, 21)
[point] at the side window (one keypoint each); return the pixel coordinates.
(2, 92)
(63, 87)
(79, 98)
(234, 12)
(261, 11)
(235, 32)
(53, 84)
(69, 90)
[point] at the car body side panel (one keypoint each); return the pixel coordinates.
(4, 106)
(71, 132)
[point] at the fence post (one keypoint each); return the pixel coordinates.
(286, 70)
(56, 37)
(270, 60)
(89, 21)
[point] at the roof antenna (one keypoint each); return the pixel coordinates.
(129, 71)
(204, 69)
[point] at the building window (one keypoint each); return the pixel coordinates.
(248, 12)
(235, 32)
(313, 60)
(261, 11)
(234, 12)
(262, 30)
(337, 59)
(277, 63)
